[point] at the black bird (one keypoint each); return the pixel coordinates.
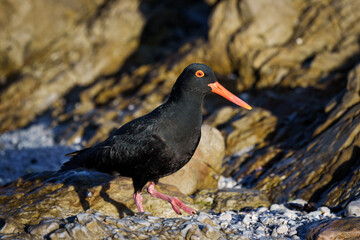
(159, 143)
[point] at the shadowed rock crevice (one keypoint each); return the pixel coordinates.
(341, 175)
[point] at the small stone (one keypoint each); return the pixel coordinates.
(290, 214)
(186, 229)
(353, 209)
(324, 210)
(211, 232)
(59, 234)
(262, 209)
(44, 227)
(247, 220)
(153, 218)
(204, 218)
(224, 225)
(238, 227)
(299, 201)
(84, 218)
(225, 217)
(265, 220)
(78, 231)
(282, 229)
(315, 214)
(142, 222)
(293, 232)
(246, 234)
(275, 207)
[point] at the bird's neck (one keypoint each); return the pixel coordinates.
(187, 104)
(186, 112)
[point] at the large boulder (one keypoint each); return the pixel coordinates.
(48, 48)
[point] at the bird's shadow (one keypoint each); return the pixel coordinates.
(82, 181)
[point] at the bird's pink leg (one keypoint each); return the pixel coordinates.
(138, 201)
(174, 201)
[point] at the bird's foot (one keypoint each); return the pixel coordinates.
(174, 201)
(138, 201)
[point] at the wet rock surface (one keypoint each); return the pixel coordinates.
(87, 67)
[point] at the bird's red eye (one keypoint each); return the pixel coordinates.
(199, 73)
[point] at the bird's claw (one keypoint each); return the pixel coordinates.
(176, 203)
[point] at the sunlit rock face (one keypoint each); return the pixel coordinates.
(88, 67)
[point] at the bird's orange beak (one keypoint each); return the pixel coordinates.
(217, 88)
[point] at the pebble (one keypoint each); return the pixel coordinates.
(254, 224)
(315, 214)
(299, 201)
(226, 182)
(262, 209)
(282, 229)
(290, 214)
(247, 220)
(225, 217)
(353, 209)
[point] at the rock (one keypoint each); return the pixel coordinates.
(277, 207)
(335, 146)
(50, 195)
(282, 229)
(301, 68)
(225, 217)
(204, 218)
(59, 234)
(315, 214)
(290, 214)
(346, 228)
(353, 209)
(222, 116)
(324, 210)
(250, 130)
(247, 220)
(45, 61)
(45, 226)
(229, 199)
(204, 167)
(78, 231)
(212, 233)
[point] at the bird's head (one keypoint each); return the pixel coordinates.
(199, 77)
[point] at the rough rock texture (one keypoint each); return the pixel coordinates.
(45, 204)
(230, 199)
(302, 141)
(50, 194)
(48, 48)
(297, 60)
(331, 176)
(204, 168)
(346, 228)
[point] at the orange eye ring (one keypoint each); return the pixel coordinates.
(199, 73)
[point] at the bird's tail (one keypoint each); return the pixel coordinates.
(75, 161)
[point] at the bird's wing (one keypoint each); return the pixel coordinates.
(131, 147)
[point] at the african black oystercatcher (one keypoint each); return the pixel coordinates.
(159, 143)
